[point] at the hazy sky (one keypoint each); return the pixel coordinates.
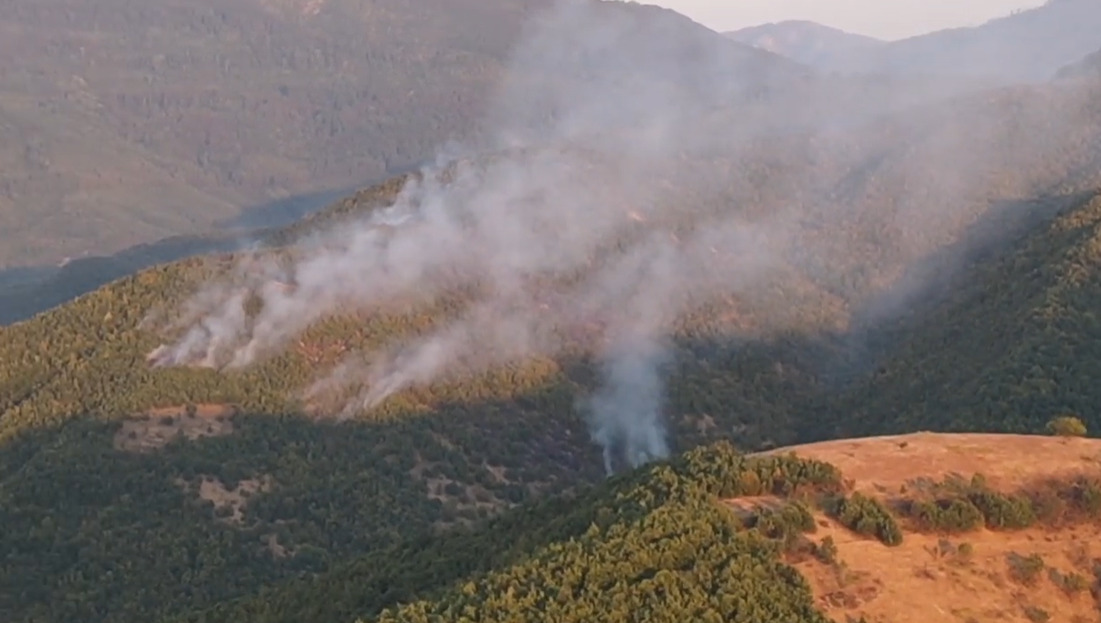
(886, 19)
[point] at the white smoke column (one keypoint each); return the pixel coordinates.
(600, 103)
(588, 222)
(625, 414)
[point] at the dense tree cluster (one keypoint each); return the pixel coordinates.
(659, 548)
(957, 506)
(868, 516)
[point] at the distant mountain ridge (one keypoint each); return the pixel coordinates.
(1026, 46)
(1029, 45)
(804, 41)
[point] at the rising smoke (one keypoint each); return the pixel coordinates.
(584, 219)
(564, 226)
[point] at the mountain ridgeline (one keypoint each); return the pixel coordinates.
(806, 42)
(1030, 45)
(519, 382)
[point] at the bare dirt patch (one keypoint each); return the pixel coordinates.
(967, 578)
(155, 428)
(275, 547)
(231, 502)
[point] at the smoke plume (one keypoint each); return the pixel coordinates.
(582, 218)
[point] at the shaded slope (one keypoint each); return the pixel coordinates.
(78, 507)
(552, 548)
(52, 287)
(956, 369)
(666, 531)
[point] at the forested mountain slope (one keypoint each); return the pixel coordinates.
(955, 369)
(126, 122)
(982, 208)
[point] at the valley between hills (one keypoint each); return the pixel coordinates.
(660, 345)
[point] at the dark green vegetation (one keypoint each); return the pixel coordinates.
(959, 506)
(1067, 426)
(867, 516)
(635, 542)
(96, 534)
(1035, 359)
(77, 511)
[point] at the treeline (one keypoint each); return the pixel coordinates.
(957, 505)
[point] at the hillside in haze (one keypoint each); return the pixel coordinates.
(1088, 68)
(126, 148)
(523, 379)
(124, 123)
(1027, 46)
(807, 42)
(128, 122)
(664, 48)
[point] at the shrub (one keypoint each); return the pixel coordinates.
(1004, 512)
(1087, 496)
(964, 553)
(784, 523)
(956, 515)
(867, 516)
(1037, 615)
(1025, 569)
(1066, 426)
(1069, 583)
(826, 551)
